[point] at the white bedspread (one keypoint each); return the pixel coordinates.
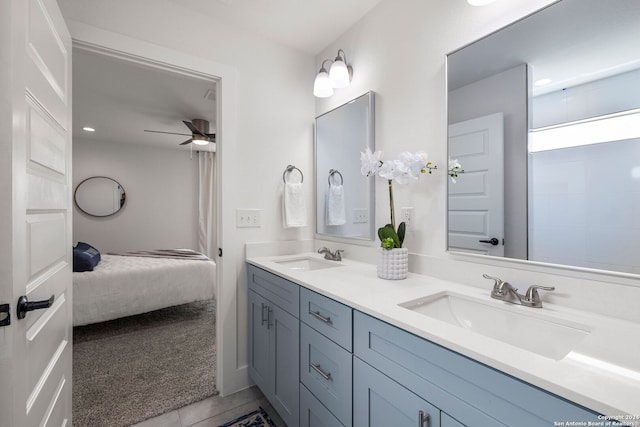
(126, 285)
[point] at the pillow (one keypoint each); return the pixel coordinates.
(85, 257)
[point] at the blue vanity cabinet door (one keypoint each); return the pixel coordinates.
(326, 370)
(285, 343)
(447, 421)
(472, 393)
(313, 413)
(281, 292)
(329, 317)
(378, 401)
(259, 344)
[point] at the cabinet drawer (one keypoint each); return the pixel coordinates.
(283, 293)
(326, 370)
(313, 413)
(473, 393)
(326, 316)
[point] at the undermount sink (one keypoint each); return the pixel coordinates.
(307, 263)
(533, 330)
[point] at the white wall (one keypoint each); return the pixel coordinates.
(161, 210)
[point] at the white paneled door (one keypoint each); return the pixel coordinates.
(476, 200)
(35, 214)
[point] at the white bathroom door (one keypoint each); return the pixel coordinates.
(35, 214)
(476, 200)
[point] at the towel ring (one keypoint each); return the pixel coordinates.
(331, 173)
(291, 168)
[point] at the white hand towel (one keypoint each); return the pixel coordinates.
(336, 214)
(294, 208)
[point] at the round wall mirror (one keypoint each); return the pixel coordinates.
(99, 196)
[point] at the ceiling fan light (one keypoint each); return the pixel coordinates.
(200, 140)
(322, 87)
(339, 74)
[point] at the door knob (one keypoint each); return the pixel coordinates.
(493, 241)
(24, 305)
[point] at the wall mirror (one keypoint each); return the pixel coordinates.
(344, 197)
(544, 117)
(99, 196)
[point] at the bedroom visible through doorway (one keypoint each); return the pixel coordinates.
(143, 309)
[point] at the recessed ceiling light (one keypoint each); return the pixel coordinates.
(479, 2)
(542, 82)
(88, 129)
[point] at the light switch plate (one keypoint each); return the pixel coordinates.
(247, 218)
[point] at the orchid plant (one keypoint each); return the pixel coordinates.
(409, 167)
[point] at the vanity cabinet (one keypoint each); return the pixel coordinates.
(322, 364)
(274, 341)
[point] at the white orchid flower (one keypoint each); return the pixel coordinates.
(370, 162)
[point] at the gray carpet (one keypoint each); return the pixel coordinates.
(131, 369)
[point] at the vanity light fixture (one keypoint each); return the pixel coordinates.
(322, 87)
(88, 129)
(338, 76)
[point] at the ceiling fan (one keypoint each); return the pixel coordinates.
(199, 132)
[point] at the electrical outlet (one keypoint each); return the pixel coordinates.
(360, 216)
(247, 218)
(406, 215)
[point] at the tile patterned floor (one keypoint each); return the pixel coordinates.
(214, 411)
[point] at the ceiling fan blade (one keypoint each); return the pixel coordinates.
(192, 128)
(188, 141)
(170, 133)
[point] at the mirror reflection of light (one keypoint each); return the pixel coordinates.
(542, 82)
(611, 127)
(635, 172)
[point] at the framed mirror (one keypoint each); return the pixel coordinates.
(99, 196)
(543, 116)
(344, 197)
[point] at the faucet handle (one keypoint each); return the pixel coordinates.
(532, 295)
(323, 250)
(497, 282)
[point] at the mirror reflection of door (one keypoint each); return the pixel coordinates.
(476, 202)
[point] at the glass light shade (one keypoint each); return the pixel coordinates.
(322, 87)
(198, 141)
(339, 74)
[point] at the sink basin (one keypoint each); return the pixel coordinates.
(308, 263)
(531, 330)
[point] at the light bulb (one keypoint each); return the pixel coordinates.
(322, 87)
(339, 74)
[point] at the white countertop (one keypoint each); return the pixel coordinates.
(601, 373)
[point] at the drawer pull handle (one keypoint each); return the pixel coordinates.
(423, 418)
(326, 376)
(317, 315)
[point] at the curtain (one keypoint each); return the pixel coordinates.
(207, 204)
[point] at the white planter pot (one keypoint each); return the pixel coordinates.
(393, 264)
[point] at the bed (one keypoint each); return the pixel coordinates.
(125, 285)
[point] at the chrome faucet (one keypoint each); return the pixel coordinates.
(333, 256)
(505, 292)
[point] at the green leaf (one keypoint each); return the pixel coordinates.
(387, 232)
(402, 229)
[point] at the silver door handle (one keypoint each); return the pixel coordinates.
(325, 375)
(317, 315)
(263, 318)
(423, 418)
